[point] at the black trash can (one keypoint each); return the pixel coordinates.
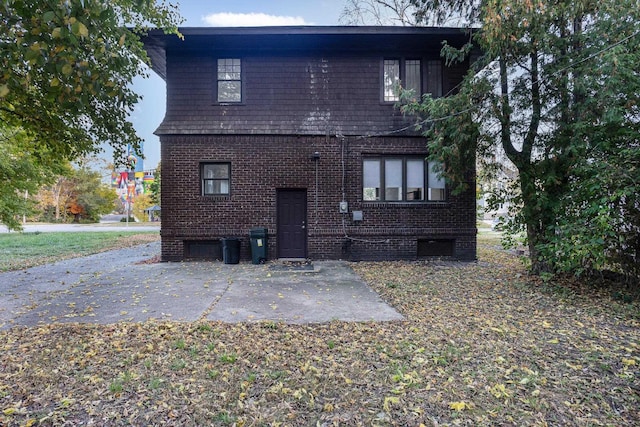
(259, 237)
(231, 250)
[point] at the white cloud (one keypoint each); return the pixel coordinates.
(251, 20)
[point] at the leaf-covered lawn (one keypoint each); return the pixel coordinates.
(483, 344)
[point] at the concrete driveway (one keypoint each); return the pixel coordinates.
(117, 286)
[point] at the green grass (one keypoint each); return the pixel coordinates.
(23, 250)
(482, 225)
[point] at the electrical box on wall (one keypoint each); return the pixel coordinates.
(344, 207)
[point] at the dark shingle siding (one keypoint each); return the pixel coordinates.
(306, 96)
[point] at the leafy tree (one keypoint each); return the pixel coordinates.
(559, 99)
(598, 221)
(79, 194)
(22, 170)
(52, 198)
(66, 68)
(142, 202)
(89, 196)
(155, 186)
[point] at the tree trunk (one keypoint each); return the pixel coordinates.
(537, 218)
(534, 215)
(56, 200)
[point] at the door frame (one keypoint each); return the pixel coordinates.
(304, 221)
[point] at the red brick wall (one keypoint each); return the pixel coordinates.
(262, 164)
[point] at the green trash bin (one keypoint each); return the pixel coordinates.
(259, 244)
(231, 250)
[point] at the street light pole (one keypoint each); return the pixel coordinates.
(131, 185)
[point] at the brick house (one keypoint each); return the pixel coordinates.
(294, 129)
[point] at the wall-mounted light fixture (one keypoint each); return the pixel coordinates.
(315, 156)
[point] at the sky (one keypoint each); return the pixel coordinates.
(216, 13)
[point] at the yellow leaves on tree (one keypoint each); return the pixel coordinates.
(141, 202)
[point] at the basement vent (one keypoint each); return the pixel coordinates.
(436, 247)
(203, 249)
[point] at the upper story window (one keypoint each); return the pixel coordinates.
(216, 179)
(401, 73)
(401, 179)
(229, 80)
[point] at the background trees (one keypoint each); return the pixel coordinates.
(456, 13)
(65, 73)
(155, 187)
(559, 98)
(379, 12)
(78, 195)
(22, 170)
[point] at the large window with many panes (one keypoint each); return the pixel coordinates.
(401, 179)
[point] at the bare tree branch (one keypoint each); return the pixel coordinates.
(379, 12)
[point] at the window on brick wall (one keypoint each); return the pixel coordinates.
(401, 179)
(229, 80)
(401, 73)
(436, 183)
(216, 179)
